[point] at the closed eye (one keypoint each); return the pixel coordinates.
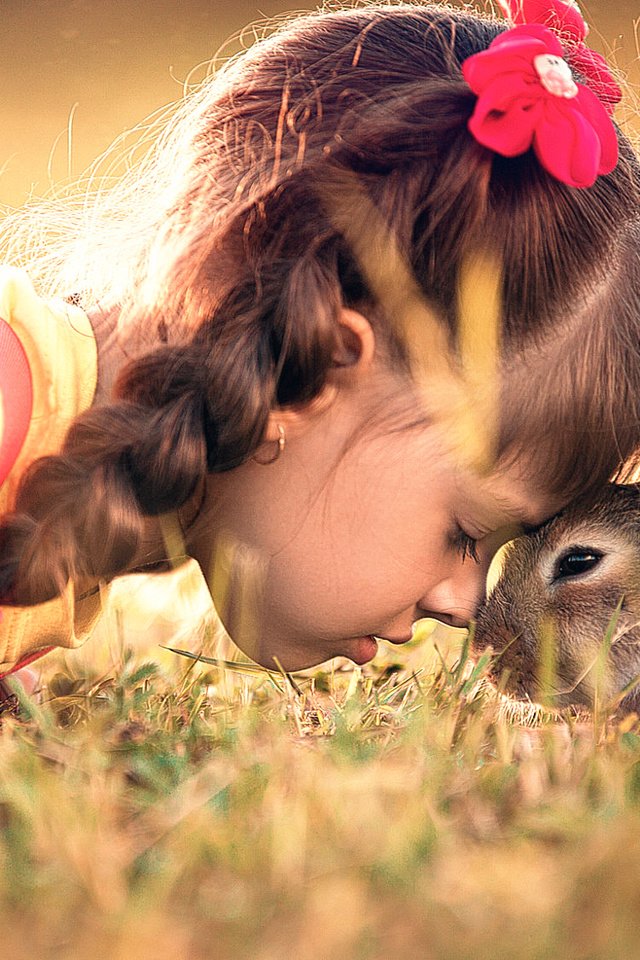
(575, 562)
(463, 544)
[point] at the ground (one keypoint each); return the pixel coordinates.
(183, 810)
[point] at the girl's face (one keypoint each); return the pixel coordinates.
(362, 526)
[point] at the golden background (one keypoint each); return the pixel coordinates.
(119, 60)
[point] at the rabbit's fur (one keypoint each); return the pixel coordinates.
(564, 583)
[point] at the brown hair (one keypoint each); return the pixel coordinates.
(245, 271)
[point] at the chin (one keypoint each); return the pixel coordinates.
(289, 661)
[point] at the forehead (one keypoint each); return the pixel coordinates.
(517, 498)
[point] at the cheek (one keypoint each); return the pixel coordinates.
(342, 576)
(344, 559)
(321, 573)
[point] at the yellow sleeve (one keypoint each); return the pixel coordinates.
(63, 622)
(61, 350)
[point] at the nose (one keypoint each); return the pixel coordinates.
(454, 599)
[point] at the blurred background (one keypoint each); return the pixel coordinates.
(109, 63)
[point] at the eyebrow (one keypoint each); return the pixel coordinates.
(524, 520)
(529, 528)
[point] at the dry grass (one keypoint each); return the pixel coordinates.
(183, 812)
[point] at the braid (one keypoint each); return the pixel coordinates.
(74, 515)
(179, 412)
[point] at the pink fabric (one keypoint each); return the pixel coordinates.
(16, 395)
(565, 20)
(26, 660)
(574, 139)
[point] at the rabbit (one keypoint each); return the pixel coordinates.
(575, 581)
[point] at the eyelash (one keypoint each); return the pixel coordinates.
(465, 545)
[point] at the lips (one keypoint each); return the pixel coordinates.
(364, 649)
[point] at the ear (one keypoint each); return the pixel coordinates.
(353, 358)
(357, 342)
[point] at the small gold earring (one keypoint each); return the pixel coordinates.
(280, 445)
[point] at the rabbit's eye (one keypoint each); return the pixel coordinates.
(575, 562)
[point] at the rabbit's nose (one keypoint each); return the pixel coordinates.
(494, 636)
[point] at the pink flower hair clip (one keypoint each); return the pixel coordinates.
(565, 20)
(527, 98)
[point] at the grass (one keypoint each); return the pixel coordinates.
(189, 811)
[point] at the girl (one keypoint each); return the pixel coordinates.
(282, 299)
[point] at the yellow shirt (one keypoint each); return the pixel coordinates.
(61, 350)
